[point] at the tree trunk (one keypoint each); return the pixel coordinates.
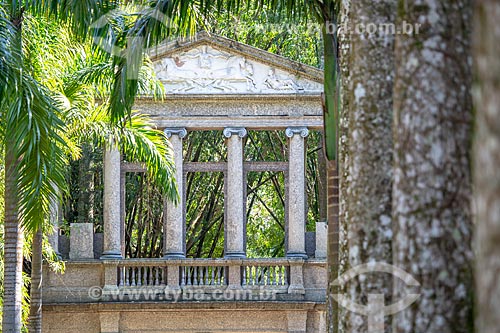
(13, 233)
(13, 248)
(35, 317)
(333, 244)
(337, 175)
(432, 186)
(370, 147)
(486, 162)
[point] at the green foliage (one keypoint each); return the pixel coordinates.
(296, 38)
(265, 214)
(143, 218)
(205, 214)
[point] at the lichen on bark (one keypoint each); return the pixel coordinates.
(369, 148)
(432, 186)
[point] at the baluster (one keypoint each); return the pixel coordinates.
(268, 275)
(183, 276)
(156, 276)
(212, 279)
(202, 276)
(253, 274)
(120, 276)
(285, 281)
(220, 273)
(189, 275)
(132, 283)
(139, 276)
(127, 276)
(195, 275)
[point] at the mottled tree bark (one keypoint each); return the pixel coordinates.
(333, 244)
(35, 317)
(369, 147)
(431, 197)
(13, 248)
(343, 170)
(486, 164)
(13, 231)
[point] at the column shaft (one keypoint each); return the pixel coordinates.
(296, 191)
(235, 213)
(54, 221)
(111, 215)
(173, 226)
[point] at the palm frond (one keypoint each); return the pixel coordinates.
(33, 126)
(79, 14)
(139, 141)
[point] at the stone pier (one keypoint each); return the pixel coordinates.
(296, 191)
(173, 226)
(235, 212)
(111, 211)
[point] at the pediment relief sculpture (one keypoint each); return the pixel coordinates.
(205, 69)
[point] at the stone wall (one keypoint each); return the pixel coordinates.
(188, 317)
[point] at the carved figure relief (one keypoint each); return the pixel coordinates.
(208, 70)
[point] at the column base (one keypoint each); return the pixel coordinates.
(301, 255)
(111, 255)
(235, 255)
(179, 255)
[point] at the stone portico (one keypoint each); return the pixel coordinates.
(211, 83)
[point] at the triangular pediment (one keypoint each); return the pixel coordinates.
(211, 64)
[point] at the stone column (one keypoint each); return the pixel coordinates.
(321, 239)
(54, 221)
(173, 226)
(235, 212)
(81, 241)
(296, 191)
(111, 215)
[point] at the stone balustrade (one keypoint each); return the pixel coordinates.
(283, 278)
(280, 275)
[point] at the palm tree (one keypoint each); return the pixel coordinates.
(432, 186)
(21, 170)
(34, 154)
(86, 124)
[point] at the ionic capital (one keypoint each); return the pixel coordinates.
(230, 131)
(302, 131)
(180, 131)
